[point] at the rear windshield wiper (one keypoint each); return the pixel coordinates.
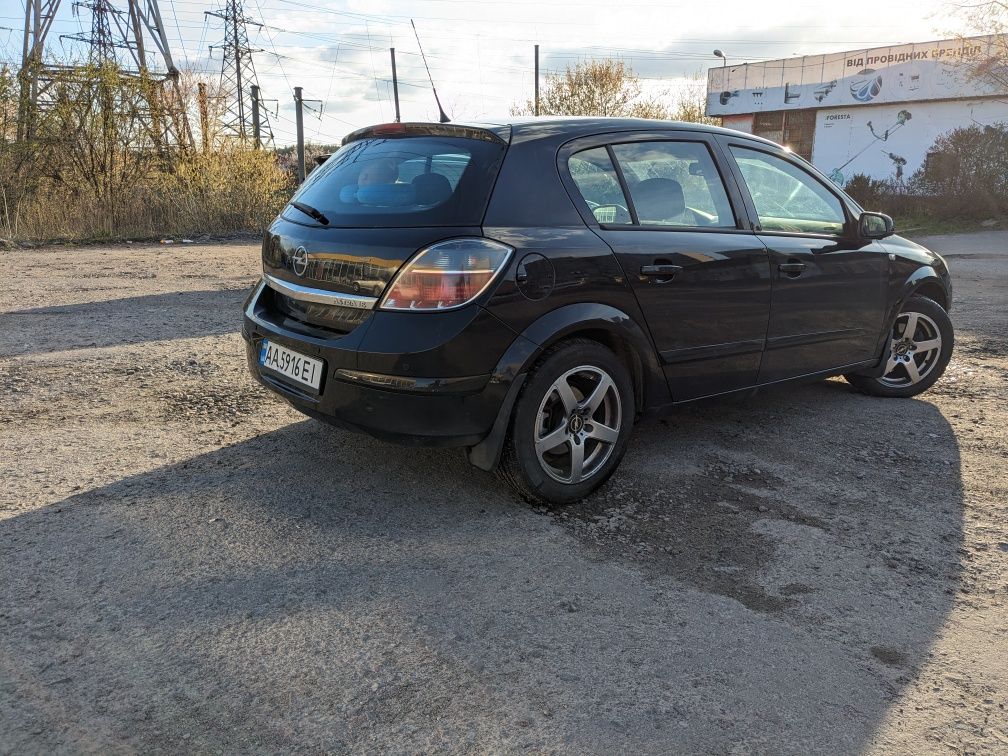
(311, 212)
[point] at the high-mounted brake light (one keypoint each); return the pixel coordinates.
(446, 275)
(388, 128)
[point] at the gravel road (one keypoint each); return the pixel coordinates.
(187, 565)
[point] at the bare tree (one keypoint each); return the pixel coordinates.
(690, 101)
(19, 175)
(595, 88)
(96, 121)
(216, 103)
(8, 104)
(989, 17)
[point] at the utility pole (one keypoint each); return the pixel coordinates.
(256, 139)
(238, 80)
(537, 79)
(204, 117)
(299, 115)
(299, 102)
(395, 85)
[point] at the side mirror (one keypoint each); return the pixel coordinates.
(875, 226)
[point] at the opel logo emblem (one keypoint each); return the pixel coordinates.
(299, 261)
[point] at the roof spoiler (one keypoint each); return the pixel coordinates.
(499, 134)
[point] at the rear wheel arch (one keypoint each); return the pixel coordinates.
(603, 324)
(563, 444)
(618, 345)
(615, 330)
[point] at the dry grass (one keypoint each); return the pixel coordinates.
(214, 194)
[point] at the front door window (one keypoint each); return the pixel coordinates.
(788, 198)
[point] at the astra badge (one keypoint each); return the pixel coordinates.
(299, 261)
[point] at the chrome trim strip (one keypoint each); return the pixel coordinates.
(321, 296)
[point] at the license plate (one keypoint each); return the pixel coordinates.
(290, 364)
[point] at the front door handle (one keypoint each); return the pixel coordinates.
(661, 271)
(791, 269)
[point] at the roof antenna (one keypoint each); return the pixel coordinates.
(444, 116)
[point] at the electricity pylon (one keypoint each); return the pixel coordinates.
(242, 120)
(124, 38)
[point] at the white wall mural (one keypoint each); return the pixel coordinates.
(891, 141)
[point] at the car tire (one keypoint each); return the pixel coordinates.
(591, 421)
(917, 356)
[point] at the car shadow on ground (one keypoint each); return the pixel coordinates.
(130, 320)
(312, 589)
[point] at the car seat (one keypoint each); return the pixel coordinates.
(659, 200)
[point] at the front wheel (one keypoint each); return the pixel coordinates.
(571, 424)
(920, 348)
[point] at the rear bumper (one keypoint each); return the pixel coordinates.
(435, 406)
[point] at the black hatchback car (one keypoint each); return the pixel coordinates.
(527, 289)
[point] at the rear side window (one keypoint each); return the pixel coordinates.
(788, 198)
(596, 179)
(403, 182)
(674, 184)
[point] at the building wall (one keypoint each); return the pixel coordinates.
(923, 71)
(742, 122)
(877, 139)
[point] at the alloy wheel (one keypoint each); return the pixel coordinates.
(915, 350)
(578, 424)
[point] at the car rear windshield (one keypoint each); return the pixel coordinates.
(403, 182)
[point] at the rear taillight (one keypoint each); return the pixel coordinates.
(447, 274)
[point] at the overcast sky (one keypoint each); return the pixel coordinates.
(481, 52)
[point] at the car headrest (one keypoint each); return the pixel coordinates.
(382, 195)
(658, 199)
(431, 188)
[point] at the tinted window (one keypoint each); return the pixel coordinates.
(788, 198)
(596, 179)
(401, 182)
(674, 184)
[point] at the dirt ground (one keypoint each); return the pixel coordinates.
(188, 565)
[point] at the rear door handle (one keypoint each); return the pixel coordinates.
(792, 269)
(660, 271)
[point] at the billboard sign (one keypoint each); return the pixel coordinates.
(903, 73)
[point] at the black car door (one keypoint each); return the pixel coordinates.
(829, 286)
(703, 282)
